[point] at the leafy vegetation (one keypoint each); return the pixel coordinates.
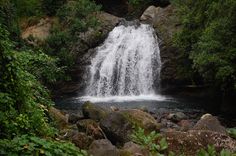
(32, 145)
(74, 17)
(232, 132)
(207, 40)
(211, 151)
(22, 96)
(150, 141)
(25, 128)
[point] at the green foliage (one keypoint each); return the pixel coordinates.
(74, 17)
(149, 141)
(30, 145)
(9, 19)
(22, 97)
(50, 7)
(43, 67)
(78, 15)
(207, 40)
(210, 151)
(26, 8)
(232, 132)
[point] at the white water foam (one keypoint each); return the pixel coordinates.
(95, 99)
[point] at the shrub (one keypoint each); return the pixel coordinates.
(22, 97)
(50, 7)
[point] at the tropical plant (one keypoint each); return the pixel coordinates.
(211, 151)
(152, 141)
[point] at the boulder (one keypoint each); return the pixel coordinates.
(82, 140)
(103, 148)
(94, 112)
(132, 149)
(188, 143)
(118, 126)
(176, 117)
(60, 118)
(73, 118)
(141, 119)
(149, 14)
(90, 127)
(211, 123)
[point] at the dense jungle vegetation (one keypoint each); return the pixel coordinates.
(207, 43)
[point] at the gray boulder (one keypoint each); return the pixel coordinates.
(211, 123)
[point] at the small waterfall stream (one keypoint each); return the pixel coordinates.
(126, 64)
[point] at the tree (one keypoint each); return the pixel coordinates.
(208, 39)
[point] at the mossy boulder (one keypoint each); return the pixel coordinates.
(118, 126)
(94, 112)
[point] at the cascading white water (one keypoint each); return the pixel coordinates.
(127, 64)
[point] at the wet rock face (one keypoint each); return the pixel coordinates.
(211, 123)
(103, 148)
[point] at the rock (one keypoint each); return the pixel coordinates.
(166, 24)
(118, 126)
(133, 149)
(149, 14)
(185, 125)
(90, 127)
(114, 109)
(209, 122)
(39, 31)
(73, 118)
(141, 119)
(176, 117)
(169, 125)
(60, 119)
(103, 148)
(82, 140)
(67, 134)
(94, 112)
(188, 143)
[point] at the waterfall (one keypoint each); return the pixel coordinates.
(126, 64)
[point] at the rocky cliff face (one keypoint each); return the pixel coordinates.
(166, 25)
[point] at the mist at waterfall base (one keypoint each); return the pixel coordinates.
(125, 73)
